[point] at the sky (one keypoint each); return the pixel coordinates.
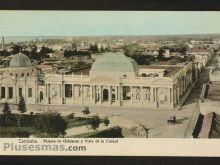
(96, 23)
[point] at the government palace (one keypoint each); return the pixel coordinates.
(114, 80)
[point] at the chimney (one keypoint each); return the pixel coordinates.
(3, 40)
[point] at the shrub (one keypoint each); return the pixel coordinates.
(51, 123)
(94, 122)
(106, 121)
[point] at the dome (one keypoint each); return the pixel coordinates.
(114, 62)
(20, 60)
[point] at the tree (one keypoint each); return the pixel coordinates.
(94, 122)
(15, 49)
(21, 105)
(51, 124)
(22, 109)
(6, 111)
(94, 48)
(86, 111)
(102, 49)
(106, 121)
(44, 51)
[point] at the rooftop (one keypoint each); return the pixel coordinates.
(20, 60)
(170, 69)
(200, 50)
(114, 62)
(43, 66)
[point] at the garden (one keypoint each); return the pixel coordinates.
(51, 124)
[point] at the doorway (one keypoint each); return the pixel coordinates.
(105, 95)
(41, 96)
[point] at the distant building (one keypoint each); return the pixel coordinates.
(202, 56)
(166, 53)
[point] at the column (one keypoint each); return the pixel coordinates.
(13, 96)
(0, 92)
(119, 94)
(171, 95)
(151, 94)
(141, 95)
(110, 95)
(100, 94)
(73, 93)
(141, 90)
(155, 94)
(81, 93)
(94, 94)
(6, 92)
(116, 93)
(91, 92)
(64, 94)
(131, 98)
(48, 93)
(177, 94)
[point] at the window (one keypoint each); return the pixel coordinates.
(3, 92)
(22, 75)
(29, 92)
(68, 90)
(11, 74)
(27, 74)
(10, 92)
(16, 75)
(124, 75)
(20, 92)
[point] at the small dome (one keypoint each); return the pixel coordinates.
(20, 60)
(114, 62)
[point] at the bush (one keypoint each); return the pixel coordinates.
(70, 116)
(51, 123)
(12, 132)
(106, 121)
(94, 122)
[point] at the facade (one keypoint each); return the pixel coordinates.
(114, 80)
(210, 96)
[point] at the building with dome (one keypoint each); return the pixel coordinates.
(114, 80)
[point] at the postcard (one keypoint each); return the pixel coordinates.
(131, 83)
